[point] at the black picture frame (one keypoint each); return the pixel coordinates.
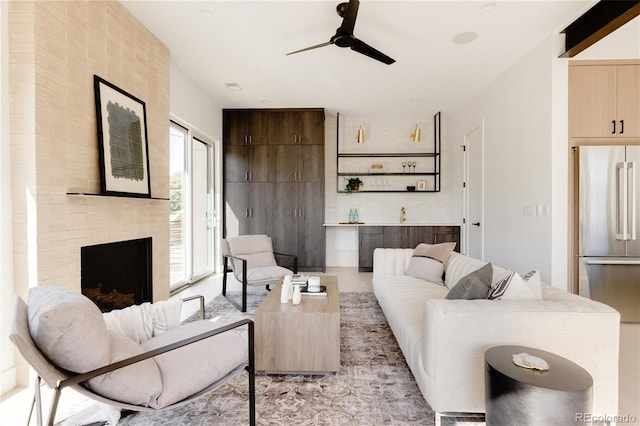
(122, 141)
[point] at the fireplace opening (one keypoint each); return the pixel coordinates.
(117, 275)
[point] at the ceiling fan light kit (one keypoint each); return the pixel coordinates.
(344, 35)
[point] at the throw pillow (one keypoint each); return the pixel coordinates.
(427, 262)
(516, 287)
(68, 328)
(475, 285)
(439, 252)
(425, 268)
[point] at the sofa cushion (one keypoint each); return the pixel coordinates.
(427, 262)
(475, 285)
(426, 269)
(439, 252)
(458, 265)
(515, 287)
(68, 328)
(190, 369)
(138, 384)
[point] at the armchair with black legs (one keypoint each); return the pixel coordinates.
(253, 262)
(64, 337)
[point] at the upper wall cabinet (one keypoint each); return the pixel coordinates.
(604, 99)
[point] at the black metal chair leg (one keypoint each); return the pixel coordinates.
(244, 292)
(252, 378)
(224, 277)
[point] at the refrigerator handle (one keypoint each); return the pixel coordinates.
(621, 201)
(632, 179)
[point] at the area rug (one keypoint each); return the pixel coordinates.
(373, 387)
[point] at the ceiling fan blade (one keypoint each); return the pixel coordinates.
(362, 47)
(310, 48)
(349, 20)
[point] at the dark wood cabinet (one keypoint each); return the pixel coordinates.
(372, 237)
(284, 151)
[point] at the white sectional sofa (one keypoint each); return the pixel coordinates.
(444, 341)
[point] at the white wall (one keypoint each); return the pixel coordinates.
(525, 113)
(518, 169)
(189, 103)
(7, 368)
(191, 107)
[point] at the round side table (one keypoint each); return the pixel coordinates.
(520, 396)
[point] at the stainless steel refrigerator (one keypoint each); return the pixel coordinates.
(609, 244)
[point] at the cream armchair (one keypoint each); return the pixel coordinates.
(253, 262)
(67, 341)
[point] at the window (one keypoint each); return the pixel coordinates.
(191, 212)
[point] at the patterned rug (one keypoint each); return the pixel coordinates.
(373, 387)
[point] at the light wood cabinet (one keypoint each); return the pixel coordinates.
(604, 100)
(275, 158)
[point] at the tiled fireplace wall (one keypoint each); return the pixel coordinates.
(55, 48)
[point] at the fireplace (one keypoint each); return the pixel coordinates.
(116, 275)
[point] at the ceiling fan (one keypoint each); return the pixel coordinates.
(344, 35)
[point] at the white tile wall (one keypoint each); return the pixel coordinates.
(383, 134)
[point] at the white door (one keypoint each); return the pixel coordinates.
(474, 192)
(202, 208)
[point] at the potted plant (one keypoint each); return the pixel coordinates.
(353, 184)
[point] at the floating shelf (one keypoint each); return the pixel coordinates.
(89, 194)
(433, 177)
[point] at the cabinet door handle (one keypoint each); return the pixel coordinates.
(246, 176)
(246, 212)
(250, 139)
(621, 126)
(295, 212)
(614, 127)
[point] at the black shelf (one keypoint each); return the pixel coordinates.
(389, 174)
(363, 191)
(434, 155)
(395, 154)
(89, 194)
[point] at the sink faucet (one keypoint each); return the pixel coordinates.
(403, 215)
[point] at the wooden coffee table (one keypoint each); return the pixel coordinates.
(299, 339)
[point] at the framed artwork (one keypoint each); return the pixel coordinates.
(122, 139)
(421, 185)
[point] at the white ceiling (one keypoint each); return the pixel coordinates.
(245, 42)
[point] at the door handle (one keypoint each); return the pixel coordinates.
(476, 224)
(621, 126)
(614, 127)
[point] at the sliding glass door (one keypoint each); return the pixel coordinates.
(191, 212)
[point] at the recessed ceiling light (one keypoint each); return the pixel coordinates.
(206, 12)
(464, 38)
(265, 101)
(488, 7)
(233, 86)
(416, 100)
